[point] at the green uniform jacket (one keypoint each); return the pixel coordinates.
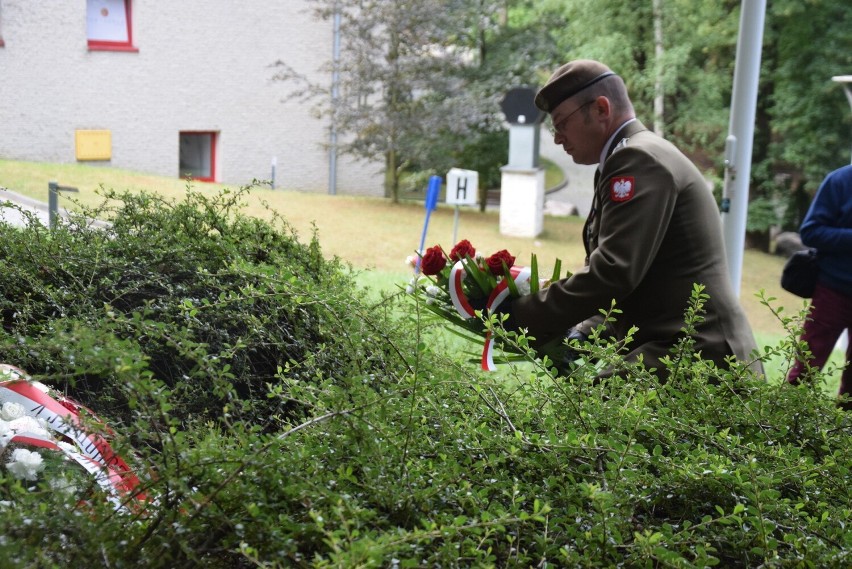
(654, 230)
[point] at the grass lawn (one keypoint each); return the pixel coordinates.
(375, 236)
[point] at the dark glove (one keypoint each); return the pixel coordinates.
(478, 303)
(571, 352)
(505, 307)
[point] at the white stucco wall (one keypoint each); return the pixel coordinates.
(201, 65)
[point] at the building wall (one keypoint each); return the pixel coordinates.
(201, 65)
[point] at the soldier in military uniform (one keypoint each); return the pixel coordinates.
(653, 231)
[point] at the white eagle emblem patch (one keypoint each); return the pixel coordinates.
(622, 188)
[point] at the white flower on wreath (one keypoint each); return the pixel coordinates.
(432, 293)
(25, 464)
(40, 386)
(11, 411)
(412, 286)
(27, 424)
(64, 485)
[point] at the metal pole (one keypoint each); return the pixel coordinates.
(52, 203)
(455, 225)
(741, 137)
(53, 189)
(335, 96)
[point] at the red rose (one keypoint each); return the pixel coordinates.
(433, 262)
(463, 248)
(495, 262)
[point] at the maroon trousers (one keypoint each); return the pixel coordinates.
(830, 314)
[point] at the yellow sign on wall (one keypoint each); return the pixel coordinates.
(93, 144)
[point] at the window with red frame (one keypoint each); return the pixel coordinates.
(198, 156)
(108, 25)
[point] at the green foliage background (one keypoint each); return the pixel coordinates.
(281, 418)
(422, 81)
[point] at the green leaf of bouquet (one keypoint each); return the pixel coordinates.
(502, 359)
(477, 276)
(468, 333)
(534, 288)
(508, 356)
(449, 315)
(557, 269)
(510, 282)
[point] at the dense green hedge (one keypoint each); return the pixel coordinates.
(280, 420)
(215, 304)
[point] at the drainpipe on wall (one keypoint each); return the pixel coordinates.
(335, 95)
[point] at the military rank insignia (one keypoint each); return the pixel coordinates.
(621, 188)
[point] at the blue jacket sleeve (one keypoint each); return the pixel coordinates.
(828, 223)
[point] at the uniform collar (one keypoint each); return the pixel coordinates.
(606, 148)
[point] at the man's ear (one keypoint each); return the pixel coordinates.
(602, 107)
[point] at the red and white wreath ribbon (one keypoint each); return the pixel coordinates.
(62, 416)
(497, 296)
(457, 295)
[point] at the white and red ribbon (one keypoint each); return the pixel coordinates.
(497, 296)
(457, 295)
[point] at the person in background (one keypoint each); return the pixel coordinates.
(654, 230)
(827, 227)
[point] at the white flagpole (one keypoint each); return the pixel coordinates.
(738, 145)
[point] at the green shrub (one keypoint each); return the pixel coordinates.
(369, 446)
(213, 302)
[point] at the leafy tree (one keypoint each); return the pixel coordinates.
(513, 42)
(806, 113)
(420, 82)
(802, 126)
(400, 82)
(690, 70)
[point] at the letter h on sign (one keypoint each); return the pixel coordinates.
(462, 186)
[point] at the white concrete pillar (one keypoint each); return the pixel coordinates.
(521, 201)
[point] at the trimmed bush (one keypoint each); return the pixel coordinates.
(281, 421)
(211, 302)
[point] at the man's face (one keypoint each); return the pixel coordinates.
(576, 131)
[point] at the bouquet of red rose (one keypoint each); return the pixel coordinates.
(455, 285)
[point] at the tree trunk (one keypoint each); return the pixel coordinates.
(659, 94)
(392, 176)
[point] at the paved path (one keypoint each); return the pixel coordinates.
(578, 190)
(15, 216)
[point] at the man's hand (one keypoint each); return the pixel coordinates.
(478, 303)
(504, 307)
(571, 353)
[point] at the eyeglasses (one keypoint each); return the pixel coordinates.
(554, 128)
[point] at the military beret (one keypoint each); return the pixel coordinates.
(569, 80)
